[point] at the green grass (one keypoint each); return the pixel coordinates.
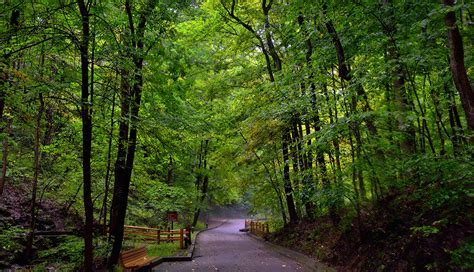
(163, 249)
(200, 226)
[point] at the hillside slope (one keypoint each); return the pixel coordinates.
(409, 230)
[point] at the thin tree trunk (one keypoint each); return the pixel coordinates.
(344, 72)
(408, 144)
(3, 175)
(169, 174)
(109, 160)
(13, 25)
(202, 188)
(286, 178)
(278, 65)
(4, 75)
(198, 182)
(454, 121)
(295, 162)
(272, 182)
(36, 165)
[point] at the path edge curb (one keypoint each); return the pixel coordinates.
(309, 262)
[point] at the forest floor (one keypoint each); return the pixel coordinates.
(409, 230)
(224, 248)
(15, 217)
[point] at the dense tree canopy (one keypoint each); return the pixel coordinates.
(120, 111)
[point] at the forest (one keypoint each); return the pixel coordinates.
(347, 125)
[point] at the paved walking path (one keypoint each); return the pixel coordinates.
(226, 249)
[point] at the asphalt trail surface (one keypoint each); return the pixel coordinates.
(224, 248)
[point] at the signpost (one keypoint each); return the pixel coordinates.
(172, 217)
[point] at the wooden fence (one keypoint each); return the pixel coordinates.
(257, 227)
(157, 235)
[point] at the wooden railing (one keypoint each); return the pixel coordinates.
(257, 227)
(158, 235)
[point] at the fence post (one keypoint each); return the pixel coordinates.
(188, 230)
(158, 236)
(181, 238)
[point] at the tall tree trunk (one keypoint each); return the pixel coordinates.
(458, 69)
(27, 256)
(286, 178)
(128, 131)
(120, 188)
(320, 157)
(272, 182)
(271, 52)
(169, 174)
(204, 187)
(296, 164)
(408, 144)
(14, 24)
(201, 187)
(344, 72)
(286, 141)
(86, 136)
(454, 121)
(109, 161)
(5, 145)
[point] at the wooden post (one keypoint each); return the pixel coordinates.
(169, 232)
(268, 229)
(158, 236)
(188, 230)
(181, 238)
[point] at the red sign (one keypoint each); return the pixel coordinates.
(172, 216)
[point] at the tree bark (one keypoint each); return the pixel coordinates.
(273, 183)
(408, 144)
(128, 128)
(231, 13)
(14, 24)
(271, 52)
(458, 69)
(202, 188)
(109, 160)
(27, 256)
(286, 178)
(86, 136)
(3, 175)
(169, 174)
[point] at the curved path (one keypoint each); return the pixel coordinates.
(226, 249)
